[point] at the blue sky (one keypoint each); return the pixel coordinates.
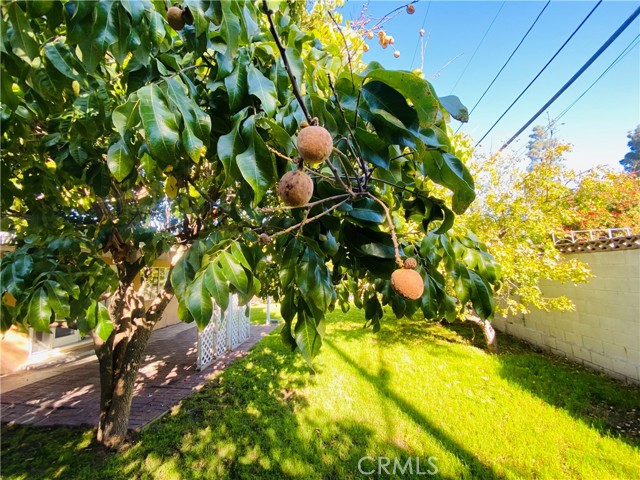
(596, 126)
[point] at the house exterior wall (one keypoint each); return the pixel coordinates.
(15, 345)
(603, 332)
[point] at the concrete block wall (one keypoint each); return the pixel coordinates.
(603, 332)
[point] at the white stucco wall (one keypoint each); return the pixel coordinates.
(604, 330)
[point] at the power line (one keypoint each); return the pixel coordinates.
(634, 43)
(510, 57)
(479, 45)
(424, 22)
(593, 58)
(540, 72)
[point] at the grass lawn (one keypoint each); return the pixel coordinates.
(412, 390)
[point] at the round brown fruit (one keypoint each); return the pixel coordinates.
(407, 283)
(314, 144)
(411, 9)
(295, 188)
(174, 18)
(265, 238)
(410, 263)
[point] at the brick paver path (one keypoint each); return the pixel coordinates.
(167, 376)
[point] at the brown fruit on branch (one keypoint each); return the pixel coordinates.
(174, 18)
(410, 263)
(295, 188)
(407, 283)
(314, 144)
(411, 9)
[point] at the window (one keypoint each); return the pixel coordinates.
(155, 282)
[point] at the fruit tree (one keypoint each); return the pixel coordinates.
(132, 131)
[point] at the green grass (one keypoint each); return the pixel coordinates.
(413, 390)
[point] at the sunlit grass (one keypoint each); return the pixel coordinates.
(413, 390)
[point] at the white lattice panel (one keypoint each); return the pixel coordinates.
(207, 341)
(226, 331)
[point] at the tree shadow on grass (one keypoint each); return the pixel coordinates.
(476, 468)
(607, 405)
(247, 424)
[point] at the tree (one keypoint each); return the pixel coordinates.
(631, 161)
(124, 140)
(605, 199)
(543, 146)
(520, 206)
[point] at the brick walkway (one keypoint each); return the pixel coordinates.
(167, 376)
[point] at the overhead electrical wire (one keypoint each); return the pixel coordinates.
(424, 22)
(634, 43)
(479, 45)
(540, 72)
(508, 59)
(593, 58)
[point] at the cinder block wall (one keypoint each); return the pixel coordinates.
(604, 331)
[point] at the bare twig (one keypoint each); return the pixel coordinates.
(287, 66)
(281, 155)
(392, 229)
(437, 74)
(309, 220)
(306, 205)
(346, 46)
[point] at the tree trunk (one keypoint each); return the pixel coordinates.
(120, 357)
(488, 331)
(117, 388)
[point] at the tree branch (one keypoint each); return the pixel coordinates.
(306, 205)
(309, 220)
(285, 60)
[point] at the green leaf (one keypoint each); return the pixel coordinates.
(104, 29)
(368, 210)
(119, 160)
(454, 106)
(136, 8)
(127, 115)
(160, 124)
(236, 83)
(61, 58)
(263, 88)
(58, 300)
(197, 124)
(156, 28)
(22, 38)
(105, 325)
(233, 272)
(447, 223)
(380, 96)
(98, 319)
(229, 147)
(481, 297)
(412, 87)
(231, 29)
(198, 301)
(181, 276)
(373, 149)
(217, 286)
(39, 311)
(307, 336)
(450, 172)
(256, 163)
